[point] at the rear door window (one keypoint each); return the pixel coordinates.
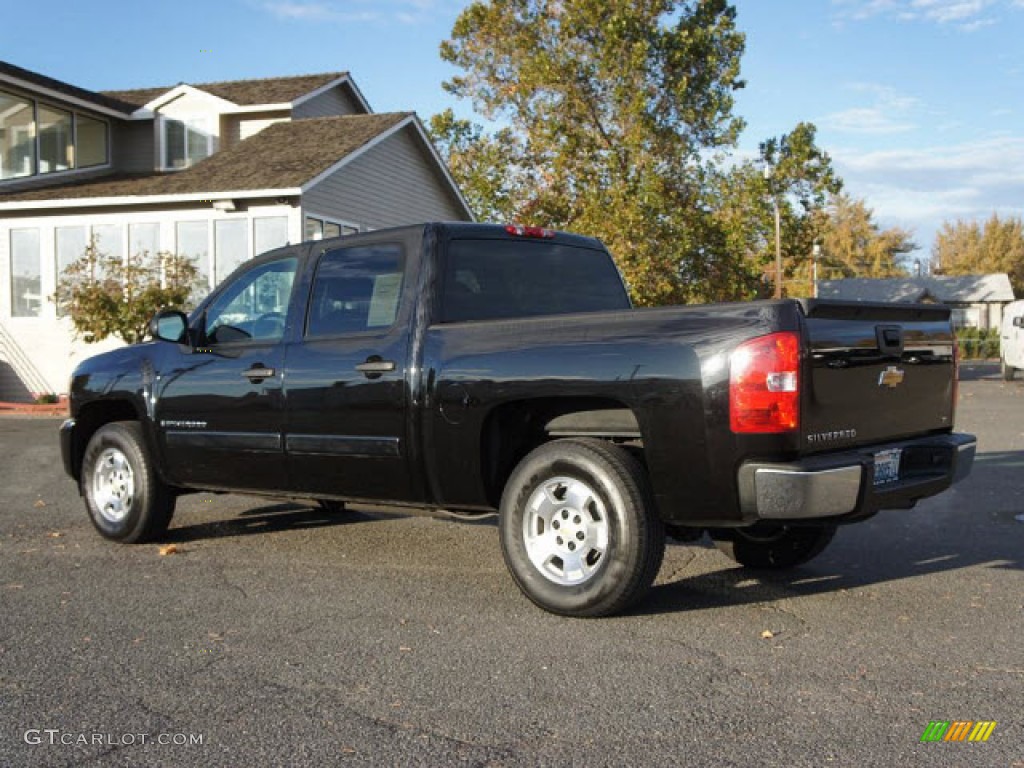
(495, 279)
(356, 290)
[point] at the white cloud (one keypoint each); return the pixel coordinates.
(403, 11)
(888, 113)
(921, 188)
(967, 15)
(301, 11)
(865, 120)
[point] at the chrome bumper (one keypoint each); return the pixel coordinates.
(832, 485)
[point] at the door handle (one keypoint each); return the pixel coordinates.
(374, 367)
(258, 373)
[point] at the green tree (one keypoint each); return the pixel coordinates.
(613, 112)
(970, 248)
(799, 179)
(854, 245)
(106, 295)
(486, 167)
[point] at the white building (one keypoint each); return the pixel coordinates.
(217, 171)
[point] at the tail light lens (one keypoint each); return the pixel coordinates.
(764, 384)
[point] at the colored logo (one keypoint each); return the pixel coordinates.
(891, 377)
(958, 730)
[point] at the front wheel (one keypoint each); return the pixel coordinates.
(578, 529)
(773, 546)
(126, 500)
(1008, 370)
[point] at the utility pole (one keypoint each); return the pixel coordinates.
(815, 255)
(778, 232)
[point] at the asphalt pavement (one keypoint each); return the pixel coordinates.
(280, 635)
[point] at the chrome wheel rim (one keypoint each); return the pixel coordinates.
(566, 531)
(113, 485)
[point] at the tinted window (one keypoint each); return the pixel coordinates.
(493, 279)
(356, 289)
(253, 305)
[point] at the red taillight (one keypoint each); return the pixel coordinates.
(764, 384)
(518, 231)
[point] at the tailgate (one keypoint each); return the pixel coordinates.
(876, 372)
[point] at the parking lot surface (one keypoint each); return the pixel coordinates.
(280, 635)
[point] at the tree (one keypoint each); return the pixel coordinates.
(800, 179)
(613, 112)
(853, 245)
(106, 295)
(969, 248)
(486, 167)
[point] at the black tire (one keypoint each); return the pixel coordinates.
(1008, 370)
(773, 546)
(126, 500)
(331, 506)
(614, 535)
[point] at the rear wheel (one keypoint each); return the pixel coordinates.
(126, 499)
(1008, 370)
(578, 530)
(773, 546)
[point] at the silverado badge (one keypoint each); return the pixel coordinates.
(891, 377)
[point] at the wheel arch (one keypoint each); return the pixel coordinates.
(513, 429)
(91, 418)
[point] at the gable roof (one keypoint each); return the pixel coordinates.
(34, 80)
(269, 90)
(283, 156)
(949, 289)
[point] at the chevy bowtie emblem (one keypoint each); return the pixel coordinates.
(891, 377)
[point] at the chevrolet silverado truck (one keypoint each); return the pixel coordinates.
(483, 368)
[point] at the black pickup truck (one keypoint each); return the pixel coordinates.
(480, 368)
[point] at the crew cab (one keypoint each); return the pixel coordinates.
(484, 368)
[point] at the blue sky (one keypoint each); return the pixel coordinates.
(920, 102)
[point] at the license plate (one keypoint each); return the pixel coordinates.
(887, 466)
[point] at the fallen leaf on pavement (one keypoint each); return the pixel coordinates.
(55, 534)
(767, 634)
(169, 549)
(39, 503)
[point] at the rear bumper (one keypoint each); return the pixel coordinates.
(841, 485)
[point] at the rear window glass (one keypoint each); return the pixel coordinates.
(494, 279)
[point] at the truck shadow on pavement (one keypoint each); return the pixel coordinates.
(265, 519)
(976, 525)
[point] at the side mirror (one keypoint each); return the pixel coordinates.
(169, 325)
(1019, 321)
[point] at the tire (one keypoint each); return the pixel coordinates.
(578, 529)
(1008, 370)
(331, 506)
(773, 546)
(127, 501)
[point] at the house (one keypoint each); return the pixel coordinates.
(977, 300)
(216, 171)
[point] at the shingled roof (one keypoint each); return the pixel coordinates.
(948, 289)
(270, 90)
(282, 156)
(107, 100)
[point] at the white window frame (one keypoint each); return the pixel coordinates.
(329, 220)
(195, 120)
(74, 169)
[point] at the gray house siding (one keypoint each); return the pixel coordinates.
(394, 183)
(134, 146)
(334, 101)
